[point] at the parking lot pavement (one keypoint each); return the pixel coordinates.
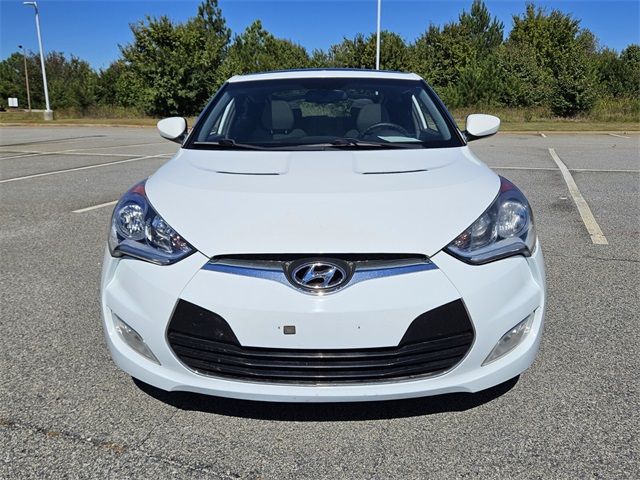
(67, 411)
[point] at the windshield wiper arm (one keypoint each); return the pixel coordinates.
(229, 143)
(354, 142)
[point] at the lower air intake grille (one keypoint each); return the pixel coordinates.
(434, 342)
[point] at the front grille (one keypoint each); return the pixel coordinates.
(434, 343)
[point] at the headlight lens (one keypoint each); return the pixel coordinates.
(506, 228)
(138, 231)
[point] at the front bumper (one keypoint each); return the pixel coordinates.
(375, 313)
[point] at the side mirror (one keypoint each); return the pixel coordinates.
(479, 125)
(173, 128)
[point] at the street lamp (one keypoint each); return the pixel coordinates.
(48, 113)
(378, 37)
(26, 76)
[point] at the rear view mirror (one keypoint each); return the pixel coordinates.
(480, 125)
(173, 128)
(325, 96)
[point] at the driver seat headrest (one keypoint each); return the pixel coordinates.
(371, 114)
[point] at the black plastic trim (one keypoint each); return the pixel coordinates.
(434, 343)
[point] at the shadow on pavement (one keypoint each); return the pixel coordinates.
(325, 412)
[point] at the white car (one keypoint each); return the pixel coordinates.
(324, 235)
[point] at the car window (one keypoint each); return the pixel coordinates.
(319, 112)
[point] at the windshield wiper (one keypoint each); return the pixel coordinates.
(349, 142)
(230, 144)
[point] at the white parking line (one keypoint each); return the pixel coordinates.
(49, 141)
(34, 153)
(95, 207)
(120, 146)
(620, 170)
(77, 151)
(551, 169)
(22, 155)
(87, 167)
(597, 237)
(500, 167)
(616, 135)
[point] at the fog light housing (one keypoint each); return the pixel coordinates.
(133, 338)
(511, 339)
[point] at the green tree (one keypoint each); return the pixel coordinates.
(439, 55)
(564, 52)
(351, 53)
(524, 83)
(72, 82)
(483, 32)
(480, 83)
(171, 68)
(394, 54)
(12, 81)
(12, 84)
(459, 59)
(360, 52)
(618, 75)
(321, 59)
(256, 50)
(610, 73)
(107, 92)
(630, 59)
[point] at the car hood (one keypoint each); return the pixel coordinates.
(322, 202)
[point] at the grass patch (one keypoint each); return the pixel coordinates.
(619, 115)
(37, 120)
(570, 126)
(65, 118)
(607, 115)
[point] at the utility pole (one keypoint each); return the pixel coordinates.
(26, 76)
(48, 113)
(378, 37)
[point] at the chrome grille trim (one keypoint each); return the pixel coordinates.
(275, 270)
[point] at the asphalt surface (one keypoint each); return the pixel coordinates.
(66, 411)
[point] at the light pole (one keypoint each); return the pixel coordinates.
(48, 113)
(26, 76)
(378, 37)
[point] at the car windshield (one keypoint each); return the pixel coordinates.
(324, 113)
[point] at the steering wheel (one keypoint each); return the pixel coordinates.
(387, 125)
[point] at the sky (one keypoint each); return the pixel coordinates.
(93, 29)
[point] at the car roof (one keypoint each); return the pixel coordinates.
(324, 73)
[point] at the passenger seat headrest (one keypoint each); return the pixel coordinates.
(277, 115)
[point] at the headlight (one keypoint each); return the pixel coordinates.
(138, 231)
(504, 229)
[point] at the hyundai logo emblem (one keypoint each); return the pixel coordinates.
(319, 276)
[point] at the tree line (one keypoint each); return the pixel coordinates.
(547, 60)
